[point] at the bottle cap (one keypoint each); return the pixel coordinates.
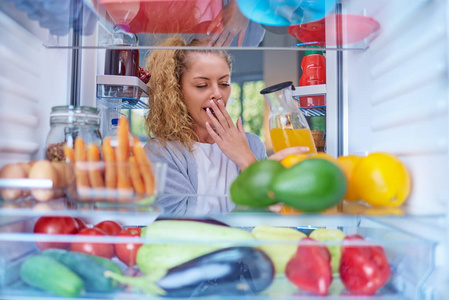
(309, 52)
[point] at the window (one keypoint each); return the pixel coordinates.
(247, 102)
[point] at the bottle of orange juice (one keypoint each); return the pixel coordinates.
(288, 126)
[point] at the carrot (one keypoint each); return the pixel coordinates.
(136, 178)
(82, 179)
(145, 165)
(110, 175)
(93, 156)
(123, 154)
(69, 155)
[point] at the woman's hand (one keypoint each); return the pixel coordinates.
(280, 155)
(230, 138)
(232, 22)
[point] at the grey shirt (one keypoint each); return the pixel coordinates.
(181, 183)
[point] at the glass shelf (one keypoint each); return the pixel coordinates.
(402, 249)
(326, 27)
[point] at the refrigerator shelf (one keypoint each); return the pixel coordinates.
(314, 111)
(402, 250)
(121, 92)
(91, 20)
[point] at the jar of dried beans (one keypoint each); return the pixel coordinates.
(66, 124)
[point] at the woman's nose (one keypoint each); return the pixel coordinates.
(215, 93)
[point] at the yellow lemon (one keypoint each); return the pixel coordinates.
(347, 164)
(324, 155)
(381, 179)
(289, 211)
(293, 159)
(384, 211)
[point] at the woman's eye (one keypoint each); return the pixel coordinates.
(225, 84)
(201, 86)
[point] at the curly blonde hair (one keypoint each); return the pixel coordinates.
(168, 118)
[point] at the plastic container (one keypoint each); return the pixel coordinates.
(313, 72)
(66, 124)
(78, 193)
(410, 257)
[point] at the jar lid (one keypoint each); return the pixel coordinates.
(278, 87)
(77, 111)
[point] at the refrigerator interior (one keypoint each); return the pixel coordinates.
(387, 92)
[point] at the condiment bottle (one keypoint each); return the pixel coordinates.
(313, 72)
(124, 60)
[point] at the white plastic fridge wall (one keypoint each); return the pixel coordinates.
(396, 94)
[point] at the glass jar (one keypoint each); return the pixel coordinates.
(66, 124)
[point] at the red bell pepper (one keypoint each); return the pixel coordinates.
(364, 269)
(310, 269)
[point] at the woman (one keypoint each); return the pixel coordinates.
(192, 131)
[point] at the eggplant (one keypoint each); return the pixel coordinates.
(238, 271)
(234, 271)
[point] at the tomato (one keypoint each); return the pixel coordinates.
(81, 224)
(110, 227)
(93, 248)
(55, 225)
(127, 252)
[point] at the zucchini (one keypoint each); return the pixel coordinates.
(203, 220)
(46, 273)
(90, 268)
(198, 238)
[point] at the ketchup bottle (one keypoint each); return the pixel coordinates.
(313, 72)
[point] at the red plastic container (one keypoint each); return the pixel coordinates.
(313, 72)
(162, 16)
(335, 30)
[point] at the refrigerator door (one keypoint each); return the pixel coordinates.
(394, 98)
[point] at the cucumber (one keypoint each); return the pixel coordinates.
(90, 268)
(46, 273)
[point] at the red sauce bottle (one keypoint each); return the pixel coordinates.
(313, 72)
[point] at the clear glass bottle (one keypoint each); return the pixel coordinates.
(66, 124)
(288, 126)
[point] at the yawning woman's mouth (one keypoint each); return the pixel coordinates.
(211, 110)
